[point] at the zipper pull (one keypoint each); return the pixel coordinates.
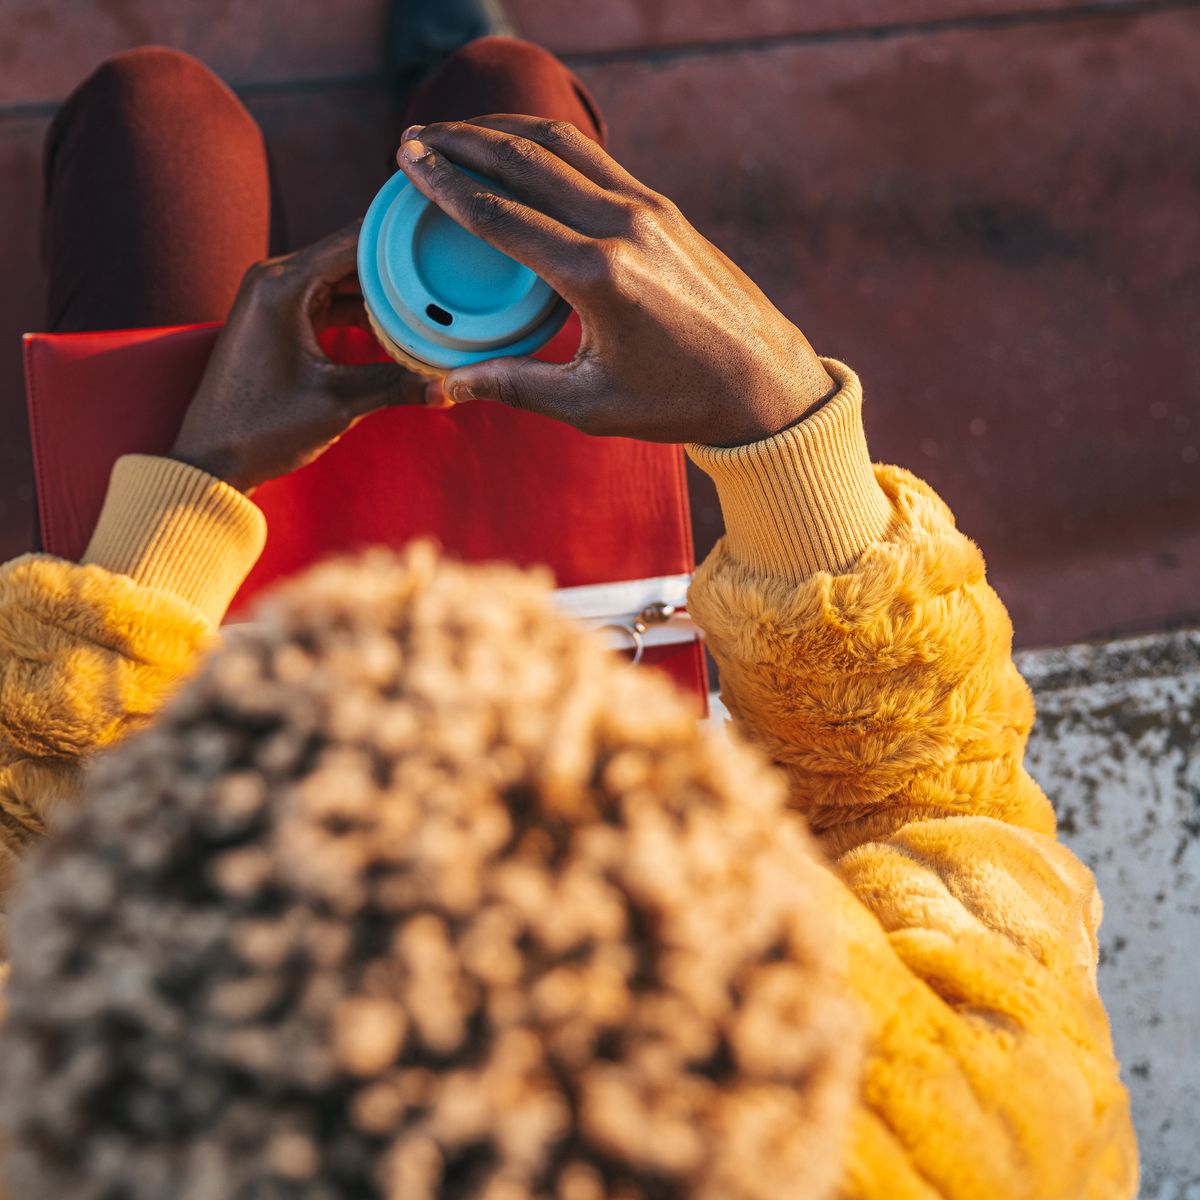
(658, 613)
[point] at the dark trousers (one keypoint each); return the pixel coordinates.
(158, 185)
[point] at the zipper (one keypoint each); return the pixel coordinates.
(633, 614)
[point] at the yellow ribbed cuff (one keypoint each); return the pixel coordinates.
(173, 527)
(805, 500)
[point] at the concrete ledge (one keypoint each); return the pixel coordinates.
(1117, 749)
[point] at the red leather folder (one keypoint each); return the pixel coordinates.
(609, 516)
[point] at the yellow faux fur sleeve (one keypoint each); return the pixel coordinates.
(85, 655)
(89, 652)
(887, 693)
(883, 686)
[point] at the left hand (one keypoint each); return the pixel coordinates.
(679, 345)
(270, 401)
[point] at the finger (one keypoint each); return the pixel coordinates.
(370, 386)
(324, 276)
(332, 259)
(330, 264)
(531, 173)
(552, 389)
(544, 245)
(563, 140)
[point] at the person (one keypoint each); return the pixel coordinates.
(410, 891)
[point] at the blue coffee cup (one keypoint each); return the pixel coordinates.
(437, 296)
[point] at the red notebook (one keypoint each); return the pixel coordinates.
(609, 516)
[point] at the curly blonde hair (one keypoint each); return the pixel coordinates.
(416, 892)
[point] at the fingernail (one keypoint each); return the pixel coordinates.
(411, 132)
(462, 393)
(415, 152)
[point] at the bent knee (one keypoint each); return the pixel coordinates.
(155, 79)
(506, 54)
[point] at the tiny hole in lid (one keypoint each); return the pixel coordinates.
(440, 315)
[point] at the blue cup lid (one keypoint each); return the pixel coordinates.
(444, 296)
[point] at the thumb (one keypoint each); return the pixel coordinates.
(366, 387)
(526, 383)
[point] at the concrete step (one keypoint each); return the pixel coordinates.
(999, 229)
(620, 27)
(48, 47)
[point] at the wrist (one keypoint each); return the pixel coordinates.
(220, 464)
(805, 500)
(778, 404)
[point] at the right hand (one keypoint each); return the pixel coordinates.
(270, 401)
(679, 345)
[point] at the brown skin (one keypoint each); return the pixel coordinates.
(270, 401)
(679, 345)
